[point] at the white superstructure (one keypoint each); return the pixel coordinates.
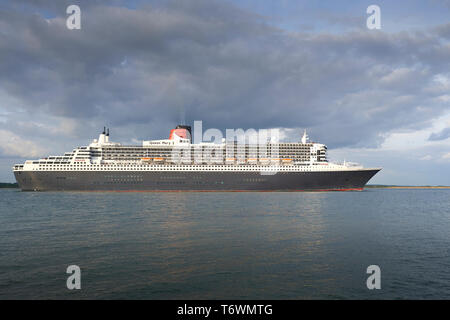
(178, 154)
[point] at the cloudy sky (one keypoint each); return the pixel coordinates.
(377, 97)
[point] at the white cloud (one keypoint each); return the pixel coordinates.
(426, 157)
(444, 98)
(13, 145)
(415, 139)
(397, 76)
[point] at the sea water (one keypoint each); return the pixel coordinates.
(232, 245)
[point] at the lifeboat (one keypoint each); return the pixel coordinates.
(158, 159)
(214, 160)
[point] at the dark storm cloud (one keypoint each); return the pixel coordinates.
(138, 70)
(444, 31)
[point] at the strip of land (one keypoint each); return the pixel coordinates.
(406, 187)
(8, 185)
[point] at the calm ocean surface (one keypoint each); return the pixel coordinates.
(225, 245)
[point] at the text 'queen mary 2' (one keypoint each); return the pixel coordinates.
(176, 164)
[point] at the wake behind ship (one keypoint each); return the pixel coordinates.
(176, 164)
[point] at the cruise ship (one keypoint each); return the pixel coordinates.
(177, 164)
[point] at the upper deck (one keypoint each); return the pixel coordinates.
(178, 153)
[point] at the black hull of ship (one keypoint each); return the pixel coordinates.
(192, 181)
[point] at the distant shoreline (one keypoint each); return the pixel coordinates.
(405, 187)
(8, 185)
(370, 186)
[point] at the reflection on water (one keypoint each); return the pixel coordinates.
(225, 245)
